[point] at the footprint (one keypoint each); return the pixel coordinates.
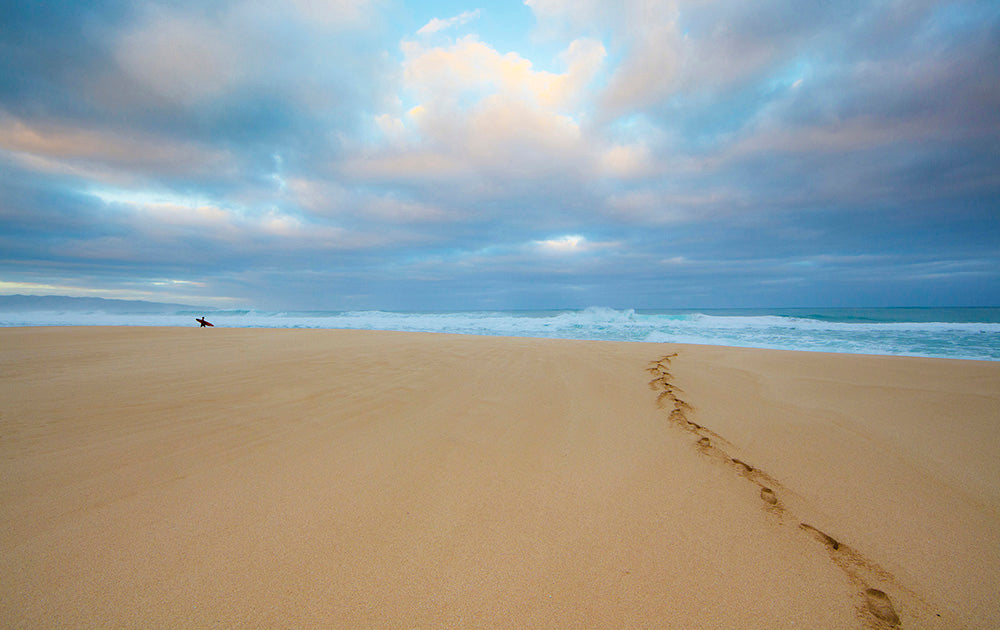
(768, 496)
(666, 398)
(880, 606)
(746, 467)
(704, 442)
(827, 540)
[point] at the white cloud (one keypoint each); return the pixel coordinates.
(511, 135)
(437, 24)
(484, 112)
(470, 69)
(563, 244)
(572, 244)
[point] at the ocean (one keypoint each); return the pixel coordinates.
(958, 333)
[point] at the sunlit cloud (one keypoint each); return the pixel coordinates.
(486, 113)
(572, 244)
(57, 146)
(470, 69)
(627, 161)
(563, 244)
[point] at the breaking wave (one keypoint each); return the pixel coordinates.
(962, 333)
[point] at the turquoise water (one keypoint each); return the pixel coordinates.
(960, 333)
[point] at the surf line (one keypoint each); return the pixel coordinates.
(874, 605)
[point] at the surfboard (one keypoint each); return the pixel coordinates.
(201, 320)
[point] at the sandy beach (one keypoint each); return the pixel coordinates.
(185, 477)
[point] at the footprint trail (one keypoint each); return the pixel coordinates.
(875, 608)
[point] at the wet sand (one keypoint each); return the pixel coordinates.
(185, 477)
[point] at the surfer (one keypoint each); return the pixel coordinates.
(201, 320)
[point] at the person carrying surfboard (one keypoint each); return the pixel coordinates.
(201, 320)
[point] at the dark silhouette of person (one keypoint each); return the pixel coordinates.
(201, 320)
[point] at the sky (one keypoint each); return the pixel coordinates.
(444, 155)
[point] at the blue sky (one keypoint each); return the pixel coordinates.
(339, 154)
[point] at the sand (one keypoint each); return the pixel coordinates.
(156, 477)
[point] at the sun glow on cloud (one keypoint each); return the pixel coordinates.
(471, 68)
(574, 244)
(479, 110)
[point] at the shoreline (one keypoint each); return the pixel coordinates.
(390, 478)
(506, 336)
(961, 333)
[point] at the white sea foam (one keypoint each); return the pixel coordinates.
(872, 331)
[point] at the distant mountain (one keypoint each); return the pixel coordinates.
(17, 303)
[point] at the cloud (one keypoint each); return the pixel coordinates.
(563, 244)
(648, 35)
(572, 244)
(481, 112)
(557, 17)
(656, 207)
(182, 57)
(468, 68)
(241, 231)
(324, 143)
(437, 24)
(171, 289)
(648, 72)
(217, 68)
(337, 14)
(104, 154)
(627, 161)
(329, 199)
(692, 51)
